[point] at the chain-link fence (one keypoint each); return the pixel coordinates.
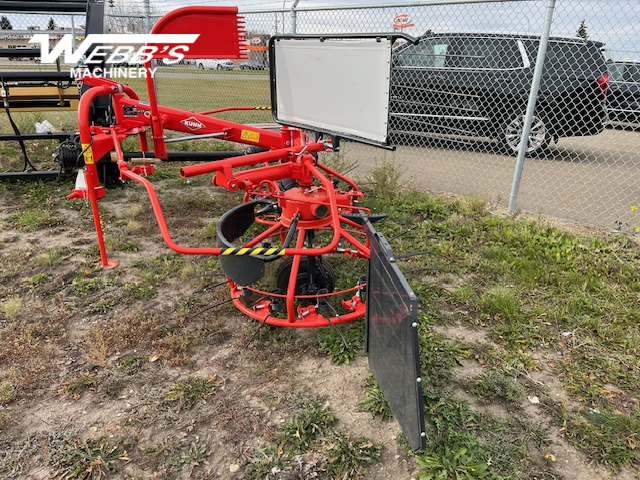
(458, 97)
(33, 108)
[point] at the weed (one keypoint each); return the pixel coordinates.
(77, 386)
(496, 385)
(474, 205)
(194, 455)
(133, 226)
(6, 417)
(135, 329)
(87, 286)
(332, 341)
(607, 437)
(88, 459)
(32, 220)
(339, 162)
(174, 347)
(102, 305)
(386, 176)
(349, 457)
(36, 281)
(130, 211)
(8, 392)
(308, 447)
(298, 435)
(129, 246)
(94, 349)
(12, 307)
(156, 271)
(438, 356)
(449, 465)
(139, 291)
(191, 391)
(209, 231)
(500, 301)
(374, 402)
(132, 364)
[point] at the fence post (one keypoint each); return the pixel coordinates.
(294, 17)
(531, 104)
(147, 16)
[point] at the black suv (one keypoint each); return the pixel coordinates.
(477, 84)
(623, 97)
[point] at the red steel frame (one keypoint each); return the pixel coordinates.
(316, 204)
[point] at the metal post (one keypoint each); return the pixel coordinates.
(73, 35)
(147, 16)
(531, 105)
(294, 17)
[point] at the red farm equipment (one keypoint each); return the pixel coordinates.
(296, 212)
(294, 206)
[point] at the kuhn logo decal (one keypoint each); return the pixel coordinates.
(192, 123)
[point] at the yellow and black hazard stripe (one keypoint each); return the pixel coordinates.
(253, 251)
(262, 108)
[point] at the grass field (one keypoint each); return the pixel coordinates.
(528, 334)
(199, 94)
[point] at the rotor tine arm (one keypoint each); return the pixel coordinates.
(293, 277)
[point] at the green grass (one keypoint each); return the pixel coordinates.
(211, 94)
(189, 392)
(342, 343)
(309, 443)
(207, 94)
(375, 402)
(529, 301)
(534, 290)
(88, 459)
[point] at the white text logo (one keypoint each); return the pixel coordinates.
(192, 123)
(171, 47)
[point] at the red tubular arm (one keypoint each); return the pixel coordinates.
(157, 210)
(248, 160)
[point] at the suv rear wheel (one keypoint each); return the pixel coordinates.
(511, 131)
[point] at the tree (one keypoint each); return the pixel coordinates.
(127, 23)
(582, 30)
(5, 23)
(52, 24)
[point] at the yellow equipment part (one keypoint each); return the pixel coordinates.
(39, 98)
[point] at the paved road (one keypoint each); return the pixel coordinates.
(214, 75)
(589, 180)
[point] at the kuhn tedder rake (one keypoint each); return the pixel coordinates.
(296, 211)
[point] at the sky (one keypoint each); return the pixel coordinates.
(616, 23)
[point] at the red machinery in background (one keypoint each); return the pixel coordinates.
(296, 211)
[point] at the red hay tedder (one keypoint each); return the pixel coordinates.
(296, 212)
(294, 206)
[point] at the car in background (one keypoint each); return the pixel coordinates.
(251, 65)
(623, 96)
(463, 84)
(215, 64)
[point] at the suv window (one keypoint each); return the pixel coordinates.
(430, 52)
(485, 53)
(574, 60)
(463, 53)
(633, 74)
(624, 72)
(616, 71)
